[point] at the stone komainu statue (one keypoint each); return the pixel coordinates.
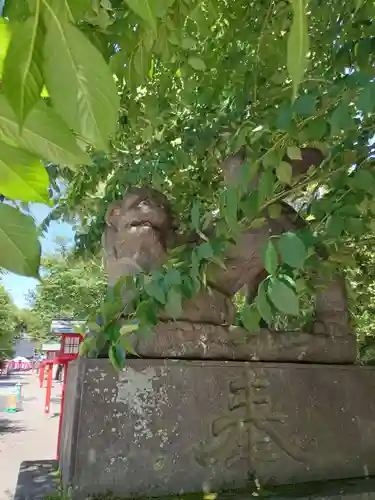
(140, 229)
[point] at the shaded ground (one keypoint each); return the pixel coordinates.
(27, 434)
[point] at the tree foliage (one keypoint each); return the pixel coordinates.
(70, 288)
(361, 278)
(8, 322)
(160, 92)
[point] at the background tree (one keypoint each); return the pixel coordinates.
(361, 279)
(8, 323)
(71, 287)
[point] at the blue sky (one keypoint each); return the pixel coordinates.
(18, 286)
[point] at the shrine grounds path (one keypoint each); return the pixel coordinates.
(28, 434)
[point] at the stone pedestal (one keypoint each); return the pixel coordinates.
(171, 426)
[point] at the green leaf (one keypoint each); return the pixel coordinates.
(128, 347)
(363, 180)
(316, 129)
(146, 313)
(154, 290)
(129, 328)
(205, 251)
(22, 176)
(266, 185)
(294, 153)
(272, 158)
(197, 63)
(195, 215)
(274, 210)
(117, 356)
(43, 133)
(145, 9)
(141, 60)
(85, 347)
(355, 226)
(250, 318)
(342, 119)
(270, 258)
(335, 225)
(283, 297)
(284, 172)
(263, 305)
(366, 98)
(231, 206)
(4, 41)
(305, 105)
(89, 103)
(172, 277)
(298, 45)
(19, 245)
(23, 72)
(292, 250)
(173, 306)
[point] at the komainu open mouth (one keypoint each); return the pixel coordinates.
(145, 223)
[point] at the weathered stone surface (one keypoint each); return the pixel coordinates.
(141, 228)
(179, 339)
(37, 479)
(171, 426)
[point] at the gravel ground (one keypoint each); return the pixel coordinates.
(28, 434)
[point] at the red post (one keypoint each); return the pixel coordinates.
(41, 375)
(65, 375)
(48, 392)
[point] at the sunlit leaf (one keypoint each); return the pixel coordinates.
(128, 347)
(4, 41)
(197, 63)
(23, 77)
(19, 245)
(43, 133)
(284, 172)
(129, 328)
(294, 153)
(298, 44)
(89, 103)
(22, 176)
(145, 9)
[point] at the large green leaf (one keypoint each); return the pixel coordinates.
(23, 77)
(43, 133)
(154, 289)
(173, 306)
(292, 250)
(269, 257)
(298, 44)
(87, 100)
(19, 245)
(250, 318)
(145, 9)
(22, 176)
(283, 297)
(4, 41)
(262, 303)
